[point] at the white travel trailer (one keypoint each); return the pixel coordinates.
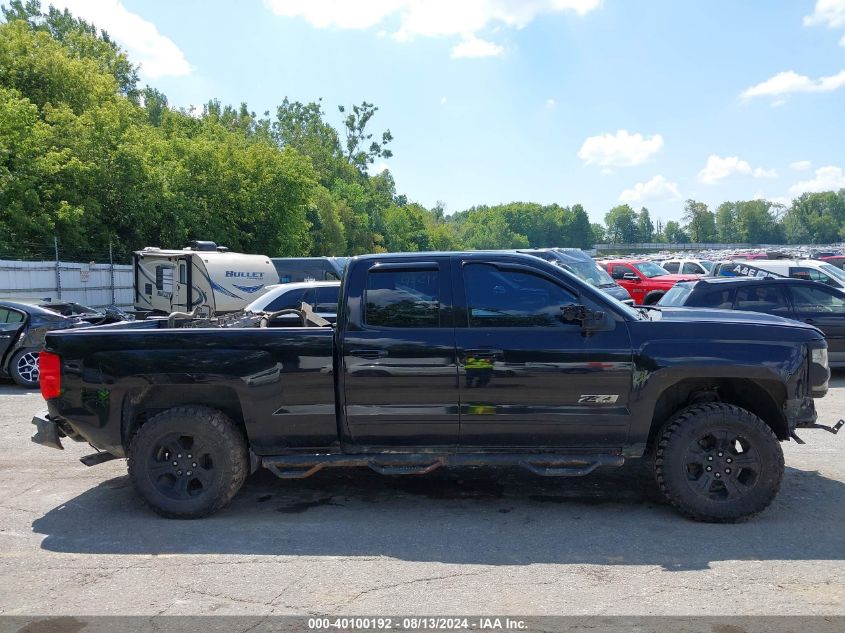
(204, 276)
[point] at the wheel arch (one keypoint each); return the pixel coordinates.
(763, 398)
(142, 404)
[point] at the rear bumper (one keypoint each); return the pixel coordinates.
(47, 432)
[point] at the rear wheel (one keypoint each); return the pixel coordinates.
(24, 368)
(188, 462)
(717, 462)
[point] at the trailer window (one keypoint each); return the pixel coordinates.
(164, 278)
(403, 298)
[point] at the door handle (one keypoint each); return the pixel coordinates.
(810, 321)
(369, 354)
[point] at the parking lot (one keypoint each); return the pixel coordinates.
(74, 540)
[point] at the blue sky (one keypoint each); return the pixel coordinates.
(590, 101)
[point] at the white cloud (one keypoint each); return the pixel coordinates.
(551, 103)
(622, 149)
(378, 168)
(765, 173)
(828, 12)
(472, 46)
(443, 100)
(430, 18)
(607, 171)
(157, 54)
(718, 168)
(829, 178)
(789, 82)
(800, 165)
(658, 188)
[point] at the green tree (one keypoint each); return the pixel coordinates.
(674, 234)
(355, 124)
(645, 227)
(700, 221)
(621, 223)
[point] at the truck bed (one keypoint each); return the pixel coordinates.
(282, 378)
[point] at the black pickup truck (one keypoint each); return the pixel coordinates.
(445, 359)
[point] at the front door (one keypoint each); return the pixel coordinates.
(824, 308)
(399, 363)
(529, 378)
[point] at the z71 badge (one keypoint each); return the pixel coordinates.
(598, 399)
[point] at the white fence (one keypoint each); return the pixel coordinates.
(95, 285)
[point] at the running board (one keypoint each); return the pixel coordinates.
(545, 464)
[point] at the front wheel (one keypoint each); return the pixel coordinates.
(188, 462)
(719, 463)
(23, 368)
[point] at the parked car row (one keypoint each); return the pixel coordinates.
(797, 299)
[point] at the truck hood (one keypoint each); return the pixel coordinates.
(726, 316)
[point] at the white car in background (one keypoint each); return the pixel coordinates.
(321, 295)
(686, 266)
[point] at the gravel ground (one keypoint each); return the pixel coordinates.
(75, 541)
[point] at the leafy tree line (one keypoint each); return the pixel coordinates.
(90, 157)
(812, 218)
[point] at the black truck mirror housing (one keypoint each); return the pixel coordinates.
(588, 319)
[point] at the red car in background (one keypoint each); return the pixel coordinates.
(835, 260)
(645, 281)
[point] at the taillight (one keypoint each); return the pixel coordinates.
(50, 375)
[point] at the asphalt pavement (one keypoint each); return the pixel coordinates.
(74, 540)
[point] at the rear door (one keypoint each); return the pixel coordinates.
(824, 308)
(11, 323)
(528, 378)
(768, 298)
(398, 353)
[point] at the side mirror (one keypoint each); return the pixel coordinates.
(630, 277)
(588, 319)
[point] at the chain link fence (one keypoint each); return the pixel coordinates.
(56, 274)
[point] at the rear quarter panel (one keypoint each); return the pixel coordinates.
(279, 381)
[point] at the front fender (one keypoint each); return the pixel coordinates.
(661, 363)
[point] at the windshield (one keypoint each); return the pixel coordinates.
(707, 264)
(677, 295)
(650, 269)
(590, 272)
(833, 271)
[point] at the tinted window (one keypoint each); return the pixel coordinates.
(326, 299)
(618, 272)
(499, 298)
(286, 300)
(405, 298)
(816, 300)
(721, 299)
(672, 267)
(810, 273)
(691, 268)
(769, 299)
(10, 316)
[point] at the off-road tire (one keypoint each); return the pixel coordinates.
(653, 297)
(20, 368)
(692, 440)
(219, 468)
